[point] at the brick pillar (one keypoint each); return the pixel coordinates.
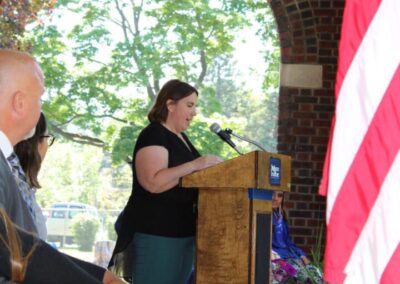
(309, 32)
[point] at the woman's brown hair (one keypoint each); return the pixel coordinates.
(28, 153)
(281, 209)
(172, 90)
(18, 261)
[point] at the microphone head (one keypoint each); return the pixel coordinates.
(215, 127)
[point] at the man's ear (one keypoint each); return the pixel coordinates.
(18, 102)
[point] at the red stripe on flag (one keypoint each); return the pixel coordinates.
(357, 17)
(391, 273)
(362, 183)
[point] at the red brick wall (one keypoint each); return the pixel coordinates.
(309, 31)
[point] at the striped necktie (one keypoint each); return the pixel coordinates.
(22, 183)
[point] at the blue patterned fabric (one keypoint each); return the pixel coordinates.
(281, 241)
(22, 182)
(287, 266)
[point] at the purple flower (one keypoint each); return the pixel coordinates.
(291, 271)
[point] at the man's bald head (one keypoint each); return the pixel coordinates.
(13, 65)
(21, 86)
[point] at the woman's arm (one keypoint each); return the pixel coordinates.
(293, 247)
(305, 260)
(151, 166)
(96, 271)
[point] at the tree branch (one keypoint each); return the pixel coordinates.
(116, 22)
(125, 25)
(203, 67)
(96, 116)
(136, 40)
(184, 64)
(106, 64)
(203, 61)
(156, 85)
(136, 16)
(78, 138)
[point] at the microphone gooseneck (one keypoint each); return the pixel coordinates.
(225, 135)
(246, 139)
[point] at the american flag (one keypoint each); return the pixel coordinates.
(361, 177)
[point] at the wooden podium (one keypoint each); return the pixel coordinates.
(233, 241)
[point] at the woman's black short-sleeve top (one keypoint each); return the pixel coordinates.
(170, 213)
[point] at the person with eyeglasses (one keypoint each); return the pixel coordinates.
(289, 262)
(31, 153)
(21, 89)
(50, 139)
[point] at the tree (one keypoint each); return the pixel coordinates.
(122, 51)
(74, 172)
(15, 15)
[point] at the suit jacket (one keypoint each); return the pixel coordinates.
(11, 199)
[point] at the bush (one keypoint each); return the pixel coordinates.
(111, 234)
(84, 227)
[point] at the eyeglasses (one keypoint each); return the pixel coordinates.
(50, 139)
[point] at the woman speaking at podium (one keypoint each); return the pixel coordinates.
(158, 224)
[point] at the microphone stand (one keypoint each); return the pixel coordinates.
(245, 139)
(237, 150)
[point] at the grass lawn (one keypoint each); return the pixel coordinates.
(73, 251)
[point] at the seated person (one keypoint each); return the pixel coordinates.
(289, 262)
(31, 153)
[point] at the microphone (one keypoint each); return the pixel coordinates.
(224, 135)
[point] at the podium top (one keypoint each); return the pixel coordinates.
(257, 169)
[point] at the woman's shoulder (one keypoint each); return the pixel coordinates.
(152, 134)
(154, 129)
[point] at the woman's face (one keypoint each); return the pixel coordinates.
(277, 198)
(181, 113)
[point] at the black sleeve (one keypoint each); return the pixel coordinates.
(153, 135)
(47, 265)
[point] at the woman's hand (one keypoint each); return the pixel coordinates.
(305, 260)
(110, 278)
(205, 162)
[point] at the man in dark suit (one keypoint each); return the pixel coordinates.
(10, 199)
(21, 89)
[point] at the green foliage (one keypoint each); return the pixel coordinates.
(78, 173)
(105, 67)
(111, 234)
(84, 228)
(15, 15)
(317, 250)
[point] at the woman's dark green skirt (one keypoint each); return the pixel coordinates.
(162, 260)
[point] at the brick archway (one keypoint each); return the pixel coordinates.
(309, 31)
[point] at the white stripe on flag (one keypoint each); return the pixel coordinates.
(362, 90)
(381, 234)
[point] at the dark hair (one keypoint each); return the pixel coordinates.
(28, 153)
(281, 209)
(172, 90)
